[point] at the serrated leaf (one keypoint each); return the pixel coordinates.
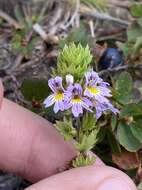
(74, 60)
(89, 122)
(66, 129)
(35, 89)
(83, 160)
(87, 142)
(126, 138)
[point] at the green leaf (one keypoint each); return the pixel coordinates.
(136, 129)
(101, 134)
(131, 110)
(136, 10)
(123, 88)
(115, 147)
(74, 60)
(126, 138)
(66, 129)
(35, 89)
(82, 160)
(89, 122)
(113, 122)
(87, 142)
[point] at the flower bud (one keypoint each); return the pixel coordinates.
(129, 120)
(69, 79)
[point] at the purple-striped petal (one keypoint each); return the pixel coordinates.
(56, 107)
(49, 101)
(77, 109)
(55, 84)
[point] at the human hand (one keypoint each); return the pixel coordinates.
(32, 148)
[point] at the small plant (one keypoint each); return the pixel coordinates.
(84, 95)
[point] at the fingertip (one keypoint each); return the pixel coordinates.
(1, 92)
(87, 178)
(116, 183)
(98, 161)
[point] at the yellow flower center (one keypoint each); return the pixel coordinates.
(76, 100)
(59, 96)
(93, 90)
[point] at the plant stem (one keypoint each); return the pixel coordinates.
(78, 122)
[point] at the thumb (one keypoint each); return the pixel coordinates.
(87, 178)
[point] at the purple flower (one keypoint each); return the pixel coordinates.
(76, 101)
(57, 98)
(95, 87)
(92, 78)
(101, 107)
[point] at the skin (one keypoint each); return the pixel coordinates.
(32, 148)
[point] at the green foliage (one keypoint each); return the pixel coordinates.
(82, 160)
(136, 129)
(66, 129)
(20, 44)
(131, 110)
(76, 35)
(87, 133)
(87, 142)
(133, 45)
(126, 138)
(89, 122)
(123, 88)
(35, 89)
(113, 122)
(129, 129)
(73, 60)
(136, 10)
(99, 4)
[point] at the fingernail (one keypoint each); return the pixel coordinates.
(116, 184)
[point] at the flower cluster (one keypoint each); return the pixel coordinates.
(94, 95)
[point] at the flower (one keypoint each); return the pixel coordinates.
(95, 87)
(76, 101)
(101, 107)
(95, 95)
(92, 77)
(58, 94)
